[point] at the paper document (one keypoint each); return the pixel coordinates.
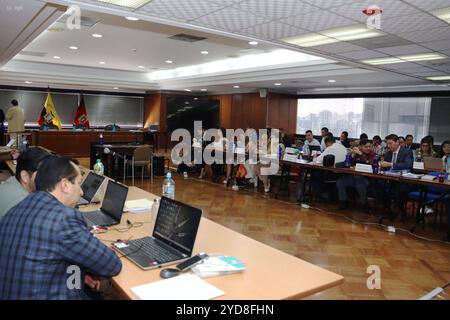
(137, 205)
(184, 287)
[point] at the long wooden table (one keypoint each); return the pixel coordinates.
(422, 184)
(269, 274)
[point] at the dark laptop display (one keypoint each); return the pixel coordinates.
(112, 207)
(90, 187)
(173, 237)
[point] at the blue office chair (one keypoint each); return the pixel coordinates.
(434, 196)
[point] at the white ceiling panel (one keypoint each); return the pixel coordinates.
(326, 4)
(363, 54)
(390, 8)
(339, 47)
(409, 23)
(319, 21)
(437, 45)
(273, 30)
(427, 35)
(429, 5)
(276, 9)
(230, 19)
(402, 50)
(180, 9)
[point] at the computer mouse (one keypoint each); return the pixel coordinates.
(169, 273)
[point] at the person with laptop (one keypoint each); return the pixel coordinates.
(46, 249)
(17, 188)
(172, 240)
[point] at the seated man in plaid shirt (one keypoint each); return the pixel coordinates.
(44, 240)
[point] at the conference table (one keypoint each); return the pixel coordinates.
(423, 185)
(269, 274)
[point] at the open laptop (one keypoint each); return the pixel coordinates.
(172, 240)
(112, 207)
(90, 186)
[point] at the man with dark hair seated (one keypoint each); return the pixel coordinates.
(365, 155)
(17, 188)
(396, 158)
(46, 248)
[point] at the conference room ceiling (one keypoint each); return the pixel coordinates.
(408, 27)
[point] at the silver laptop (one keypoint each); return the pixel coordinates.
(172, 240)
(90, 186)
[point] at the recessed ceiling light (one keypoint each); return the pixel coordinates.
(204, 52)
(203, 90)
(169, 61)
(253, 43)
(405, 58)
(141, 67)
(188, 90)
(102, 62)
(134, 4)
(277, 84)
(132, 18)
(73, 48)
(443, 14)
(236, 87)
(439, 78)
(348, 33)
(28, 82)
(195, 98)
(56, 57)
(116, 88)
(331, 81)
(97, 35)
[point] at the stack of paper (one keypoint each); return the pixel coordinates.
(412, 176)
(185, 287)
(214, 266)
(137, 205)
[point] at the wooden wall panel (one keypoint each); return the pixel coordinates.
(282, 112)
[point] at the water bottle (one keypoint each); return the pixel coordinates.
(99, 168)
(348, 160)
(168, 188)
(114, 127)
(280, 152)
(100, 139)
(419, 156)
(23, 146)
(74, 128)
(375, 167)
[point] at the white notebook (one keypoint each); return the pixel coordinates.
(184, 287)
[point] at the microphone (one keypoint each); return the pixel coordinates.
(114, 154)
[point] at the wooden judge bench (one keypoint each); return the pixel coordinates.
(77, 144)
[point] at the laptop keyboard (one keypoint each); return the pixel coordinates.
(98, 218)
(148, 247)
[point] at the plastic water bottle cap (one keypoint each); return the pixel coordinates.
(98, 160)
(169, 175)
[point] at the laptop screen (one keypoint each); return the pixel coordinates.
(114, 199)
(177, 224)
(90, 185)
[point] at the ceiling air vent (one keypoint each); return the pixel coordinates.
(186, 37)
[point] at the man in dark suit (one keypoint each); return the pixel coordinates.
(397, 158)
(47, 251)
